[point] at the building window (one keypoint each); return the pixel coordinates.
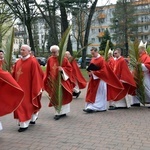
(99, 39)
(142, 19)
(92, 30)
(93, 39)
(146, 27)
(146, 37)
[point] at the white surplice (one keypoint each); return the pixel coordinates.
(101, 97)
(1, 127)
(65, 108)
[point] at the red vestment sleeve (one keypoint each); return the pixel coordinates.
(145, 59)
(11, 94)
(78, 75)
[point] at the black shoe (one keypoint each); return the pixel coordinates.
(74, 94)
(32, 122)
(136, 105)
(112, 108)
(100, 110)
(88, 110)
(77, 95)
(63, 115)
(22, 129)
(57, 117)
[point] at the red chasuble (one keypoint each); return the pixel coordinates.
(123, 73)
(77, 75)
(111, 62)
(11, 95)
(29, 76)
(145, 59)
(114, 87)
(51, 78)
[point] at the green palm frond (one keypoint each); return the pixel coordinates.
(63, 44)
(56, 85)
(137, 70)
(106, 50)
(79, 51)
(148, 50)
(8, 51)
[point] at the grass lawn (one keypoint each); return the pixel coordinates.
(83, 71)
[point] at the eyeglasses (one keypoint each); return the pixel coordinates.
(115, 53)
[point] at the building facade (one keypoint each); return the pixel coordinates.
(102, 20)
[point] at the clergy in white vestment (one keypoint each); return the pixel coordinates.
(103, 85)
(123, 73)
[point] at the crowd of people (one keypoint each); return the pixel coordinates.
(111, 84)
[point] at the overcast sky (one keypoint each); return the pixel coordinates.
(103, 2)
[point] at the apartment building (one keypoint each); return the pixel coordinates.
(102, 20)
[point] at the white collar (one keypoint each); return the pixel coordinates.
(26, 57)
(97, 56)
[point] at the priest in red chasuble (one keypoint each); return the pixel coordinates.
(103, 85)
(79, 80)
(51, 82)
(11, 94)
(110, 59)
(28, 74)
(145, 64)
(125, 76)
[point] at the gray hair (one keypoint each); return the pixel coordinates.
(27, 47)
(55, 47)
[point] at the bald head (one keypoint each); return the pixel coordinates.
(67, 54)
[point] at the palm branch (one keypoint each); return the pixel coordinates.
(8, 51)
(106, 51)
(137, 70)
(56, 85)
(148, 50)
(80, 50)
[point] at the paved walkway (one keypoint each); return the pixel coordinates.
(126, 129)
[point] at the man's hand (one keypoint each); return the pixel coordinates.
(60, 68)
(90, 73)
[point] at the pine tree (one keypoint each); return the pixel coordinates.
(104, 41)
(124, 23)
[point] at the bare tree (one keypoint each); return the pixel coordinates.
(6, 20)
(24, 10)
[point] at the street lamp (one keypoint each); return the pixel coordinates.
(116, 29)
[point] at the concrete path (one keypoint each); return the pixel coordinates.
(126, 129)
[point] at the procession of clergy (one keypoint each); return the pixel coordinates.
(111, 84)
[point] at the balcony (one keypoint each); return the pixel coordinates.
(101, 16)
(101, 34)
